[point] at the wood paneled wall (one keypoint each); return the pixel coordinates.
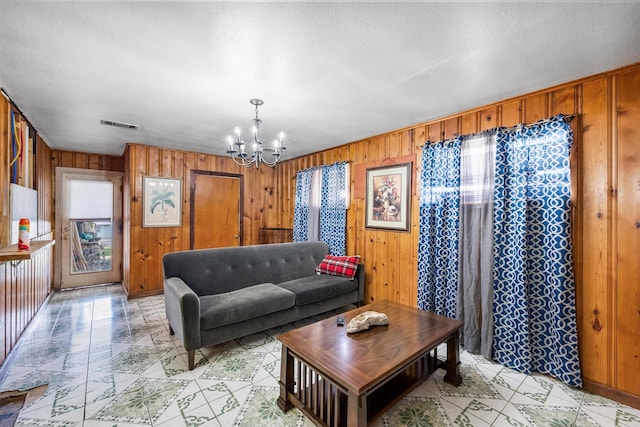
(25, 285)
(74, 159)
(606, 227)
(606, 214)
(144, 247)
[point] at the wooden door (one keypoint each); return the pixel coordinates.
(90, 250)
(216, 207)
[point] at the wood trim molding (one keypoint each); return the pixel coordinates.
(611, 393)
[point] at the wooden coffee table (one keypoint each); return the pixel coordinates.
(339, 379)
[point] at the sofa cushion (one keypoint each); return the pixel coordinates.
(311, 289)
(243, 304)
(345, 266)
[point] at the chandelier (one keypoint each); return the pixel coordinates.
(237, 147)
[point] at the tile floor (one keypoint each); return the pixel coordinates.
(111, 362)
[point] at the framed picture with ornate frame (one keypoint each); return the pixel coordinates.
(388, 197)
(161, 202)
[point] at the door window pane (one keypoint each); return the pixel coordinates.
(91, 246)
(90, 199)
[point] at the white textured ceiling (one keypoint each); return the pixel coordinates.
(329, 73)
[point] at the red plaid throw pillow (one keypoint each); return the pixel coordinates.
(339, 266)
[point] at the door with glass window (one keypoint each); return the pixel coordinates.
(88, 227)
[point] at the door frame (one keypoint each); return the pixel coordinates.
(60, 172)
(192, 201)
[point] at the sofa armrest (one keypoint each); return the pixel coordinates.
(182, 306)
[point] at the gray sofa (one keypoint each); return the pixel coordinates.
(215, 295)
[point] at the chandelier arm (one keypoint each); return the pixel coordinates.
(242, 161)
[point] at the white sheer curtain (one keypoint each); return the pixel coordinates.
(475, 294)
(313, 224)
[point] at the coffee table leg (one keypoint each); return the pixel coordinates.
(356, 410)
(286, 380)
(453, 360)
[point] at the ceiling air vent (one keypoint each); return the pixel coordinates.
(119, 124)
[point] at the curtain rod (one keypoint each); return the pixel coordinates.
(330, 164)
(568, 118)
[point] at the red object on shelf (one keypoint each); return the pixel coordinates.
(23, 234)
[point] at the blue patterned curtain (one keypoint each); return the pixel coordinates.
(439, 227)
(333, 214)
(301, 207)
(534, 293)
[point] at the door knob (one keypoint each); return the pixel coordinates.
(65, 237)
(236, 236)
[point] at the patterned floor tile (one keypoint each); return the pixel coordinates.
(16, 378)
(124, 362)
(58, 408)
(173, 365)
(486, 410)
(142, 334)
(540, 390)
(57, 381)
(474, 384)
(109, 361)
(512, 417)
(427, 389)
(29, 354)
(260, 409)
(235, 366)
(92, 408)
(143, 402)
(257, 342)
(46, 423)
(506, 381)
(610, 414)
(202, 416)
(100, 386)
(412, 411)
(106, 385)
(155, 317)
(69, 360)
(188, 400)
(469, 359)
(547, 415)
(213, 390)
(268, 373)
(101, 354)
(99, 423)
(56, 402)
(227, 406)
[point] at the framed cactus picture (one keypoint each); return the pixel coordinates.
(162, 202)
